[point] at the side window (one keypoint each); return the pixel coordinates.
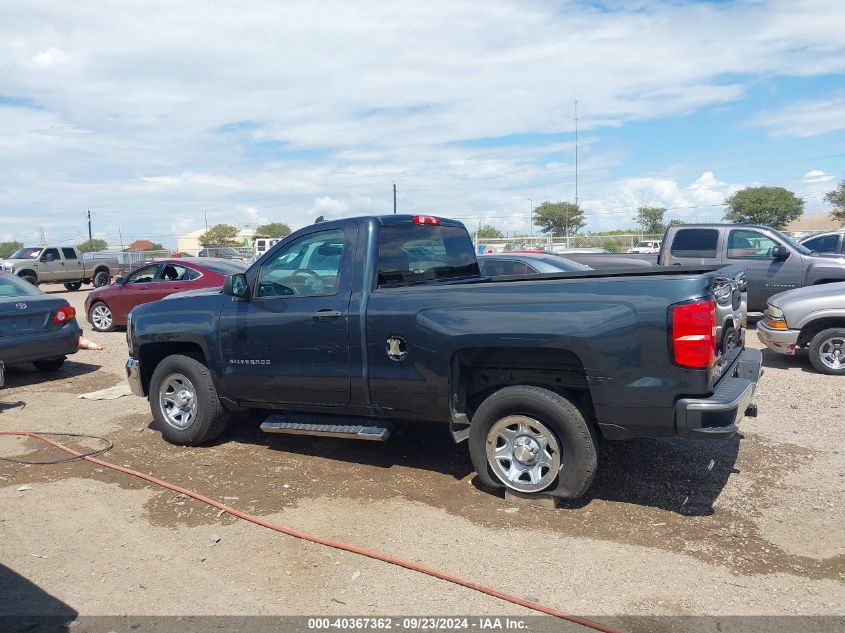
(823, 244)
(191, 274)
(695, 243)
(50, 255)
(747, 244)
(172, 272)
(142, 275)
(307, 267)
(69, 253)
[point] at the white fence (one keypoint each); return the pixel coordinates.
(610, 243)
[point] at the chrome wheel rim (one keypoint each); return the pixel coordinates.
(523, 453)
(101, 317)
(832, 352)
(177, 399)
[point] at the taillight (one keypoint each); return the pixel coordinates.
(426, 219)
(64, 314)
(694, 333)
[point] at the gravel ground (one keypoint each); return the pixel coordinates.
(741, 527)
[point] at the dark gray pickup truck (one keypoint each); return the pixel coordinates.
(346, 327)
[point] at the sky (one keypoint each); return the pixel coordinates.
(156, 115)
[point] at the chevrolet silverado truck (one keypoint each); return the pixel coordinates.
(347, 327)
(60, 264)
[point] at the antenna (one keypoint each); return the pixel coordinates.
(576, 152)
(394, 198)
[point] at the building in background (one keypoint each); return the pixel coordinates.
(189, 242)
(810, 222)
(140, 245)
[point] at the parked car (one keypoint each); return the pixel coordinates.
(612, 260)
(829, 242)
(223, 252)
(35, 327)
(347, 326)
(812, 318)
(646, 247)
(526, 264)
(107, 308)
(61, 264)
(773, 262)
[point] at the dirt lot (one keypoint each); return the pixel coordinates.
(747, 526)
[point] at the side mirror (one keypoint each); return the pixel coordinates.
(780, 253)
(236, 286)
(119, 281)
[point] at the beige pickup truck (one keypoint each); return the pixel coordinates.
(62, 264)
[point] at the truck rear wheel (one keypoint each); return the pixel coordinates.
(827, 351)
(73, 285)
(532, 440)
(184, 401)
(101, 278)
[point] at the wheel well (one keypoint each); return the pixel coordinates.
(102, 269)
(27, 271)
(478, 372)
(151, 354)
(814, 327)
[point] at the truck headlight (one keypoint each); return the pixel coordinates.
(775, 318)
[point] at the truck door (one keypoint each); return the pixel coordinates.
(289, 343)
(765, 274)
(72, 264)
(692, 246)
(49, 265)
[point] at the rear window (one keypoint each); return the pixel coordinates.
(416, 253)
(695, 243)
(11, 286)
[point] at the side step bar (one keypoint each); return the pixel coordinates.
(280, 424)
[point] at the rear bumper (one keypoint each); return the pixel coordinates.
(780, 341)
(26, 348)
(133, 377)
(717, 416)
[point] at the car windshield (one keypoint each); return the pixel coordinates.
(11, 286)
(798, 247)
(27, 252)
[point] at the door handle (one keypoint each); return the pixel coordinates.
(326, 313)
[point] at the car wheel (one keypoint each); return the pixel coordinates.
(101, 279)
(730, 339)
(51, 364)
(30, 278)
(532, 440)
(101, 317)
(827, 351)
(73, 285)
(184, 401)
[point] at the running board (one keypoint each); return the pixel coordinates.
(279, 424)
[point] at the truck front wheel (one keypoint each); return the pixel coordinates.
(184, 401)
(532, 440)
(827, 351)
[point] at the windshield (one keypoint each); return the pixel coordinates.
(27, 252)
(798, 247)
(415, 253)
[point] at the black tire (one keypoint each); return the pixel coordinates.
(95, 317)
(101, 278)
(827, 346)
(730, 339)
(52, 364)
(73, 285)
(578, 457)
(30, 278)
(210, 419)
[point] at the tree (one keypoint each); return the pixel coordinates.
(488, 231)
(158, 247)
(559, 218)
(837, 199)
(7, 248)
(273, 229)
(90, 246)
(650, 220)
(772, 206)
(220, 235)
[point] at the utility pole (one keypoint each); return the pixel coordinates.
(576, 154)
(531, 218)
(206, 221)
(90, 237)
(394, 198)
(43, 236)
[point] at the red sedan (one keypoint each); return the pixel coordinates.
(109, 306)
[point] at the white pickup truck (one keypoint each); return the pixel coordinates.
(61, 264)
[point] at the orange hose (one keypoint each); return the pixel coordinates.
(393, 560)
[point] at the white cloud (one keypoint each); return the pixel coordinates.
(174, 110)
(817, 175)
(806, 118)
